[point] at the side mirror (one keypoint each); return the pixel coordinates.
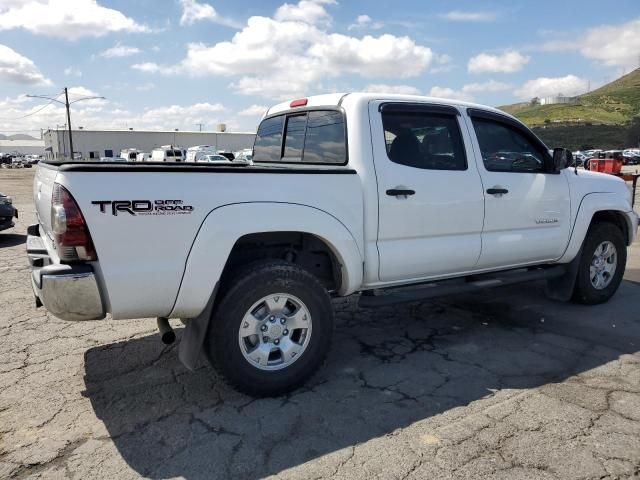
(562, 158)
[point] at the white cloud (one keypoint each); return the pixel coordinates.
(490, 86)
(545, 86)
(253, 111)
(401, 89)
(120, 51)
(19, 69)
(72, 72)
(193, 11)
(65, 19)
(446, 92)
(461, 16)
(365, 21)
(508, 62)
(307, 11)
(613, 45)
(294, 52)
(147, 67)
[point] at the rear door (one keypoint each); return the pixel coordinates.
(431, 204)
(527, 208)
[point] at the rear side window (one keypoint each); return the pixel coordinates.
(314, 137)
(169, 153)
(423, 139)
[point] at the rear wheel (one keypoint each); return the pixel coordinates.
(271, 330)
(604, 256)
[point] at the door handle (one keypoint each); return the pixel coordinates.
(399, 192)
(497, 191)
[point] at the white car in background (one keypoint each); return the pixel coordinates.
(167, 153)
(212, 158)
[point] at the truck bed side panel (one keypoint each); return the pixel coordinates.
(142, 255)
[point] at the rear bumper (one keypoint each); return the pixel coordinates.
(69, 292)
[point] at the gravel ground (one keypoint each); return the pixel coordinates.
(504, 384)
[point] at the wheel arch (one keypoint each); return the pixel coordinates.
(596, 207)
(227, 228)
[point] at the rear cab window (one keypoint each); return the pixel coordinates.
(423, 137)
(314, 137)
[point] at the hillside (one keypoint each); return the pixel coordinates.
(615, 103)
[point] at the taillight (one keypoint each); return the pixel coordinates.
(300, 102)
(70, 231)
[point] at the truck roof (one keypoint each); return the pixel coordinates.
(336, 99)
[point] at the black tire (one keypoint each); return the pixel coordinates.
(244, 288)
(584, 292)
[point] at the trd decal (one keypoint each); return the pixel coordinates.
(143, 207)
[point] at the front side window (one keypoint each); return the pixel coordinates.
(423, 139)
(313, 137)
(505, 149)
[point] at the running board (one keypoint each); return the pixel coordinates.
(456, 286)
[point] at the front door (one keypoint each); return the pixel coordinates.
(527, 209)
(430, 198)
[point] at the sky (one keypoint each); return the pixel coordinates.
(191, 64)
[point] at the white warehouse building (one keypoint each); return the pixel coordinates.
(93, 144)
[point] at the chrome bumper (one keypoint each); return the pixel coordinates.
(69, 292)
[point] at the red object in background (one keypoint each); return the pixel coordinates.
(605, 165)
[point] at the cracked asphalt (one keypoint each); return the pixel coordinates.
(503, 384)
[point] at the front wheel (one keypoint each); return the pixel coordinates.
(271, 330)
(604, 256)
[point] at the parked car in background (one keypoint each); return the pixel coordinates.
(212, 158)
(143, 157)
(129, 154)
(224, 153)
(630, 158)
(7, 212)
(167, 153)
(197, 150)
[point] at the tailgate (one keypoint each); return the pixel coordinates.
(42, 190)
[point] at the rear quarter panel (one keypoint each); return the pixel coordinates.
(142, 257)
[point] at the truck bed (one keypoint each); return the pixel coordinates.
(143, 255)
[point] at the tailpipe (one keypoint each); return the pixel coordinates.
(167, 335)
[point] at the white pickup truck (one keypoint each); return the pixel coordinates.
(347, 193)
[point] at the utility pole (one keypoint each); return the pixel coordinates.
(67, 104)
(66, 101)
(200, 125)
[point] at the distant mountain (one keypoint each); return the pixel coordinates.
(20, 136)
(615, 103)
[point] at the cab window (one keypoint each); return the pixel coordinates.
(505, 149)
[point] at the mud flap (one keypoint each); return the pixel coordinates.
(194, 332)
(561, 288)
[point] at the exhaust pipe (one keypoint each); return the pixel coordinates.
(167, 335)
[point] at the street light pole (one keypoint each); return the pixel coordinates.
(67, 104)
(66, 98)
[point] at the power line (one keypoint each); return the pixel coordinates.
(32, 113)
